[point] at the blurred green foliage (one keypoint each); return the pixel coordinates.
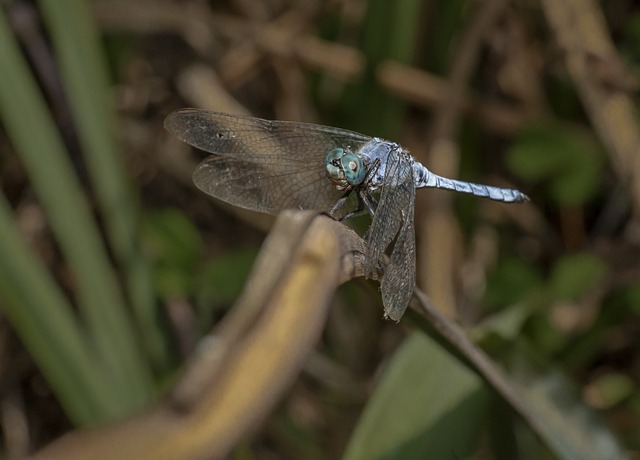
(426, 406)
(566, 159)
(174, 245)
(218, 283)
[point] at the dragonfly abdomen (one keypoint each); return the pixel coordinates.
(426, 179)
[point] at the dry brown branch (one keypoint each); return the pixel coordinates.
(244, 366)
(242, 369)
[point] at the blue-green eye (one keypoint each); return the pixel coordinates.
(353, 168)
(335, 154)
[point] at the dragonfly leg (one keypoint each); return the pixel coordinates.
(364, 201)
(372, 171)
(370, 202)
(340, 203)
(359, 210)
(364, 197)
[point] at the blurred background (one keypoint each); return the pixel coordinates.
(113, 265)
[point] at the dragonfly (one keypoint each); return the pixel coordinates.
(269, 165)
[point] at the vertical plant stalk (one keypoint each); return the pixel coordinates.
(33, 133)
(44, 320)
(84, 73)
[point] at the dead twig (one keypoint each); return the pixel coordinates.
(245, 365)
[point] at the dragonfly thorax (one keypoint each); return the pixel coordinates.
(344, 169)
(375, 154)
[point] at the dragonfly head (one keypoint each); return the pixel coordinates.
(344, 169)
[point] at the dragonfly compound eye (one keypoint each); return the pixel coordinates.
(353, 168)
(335, 170)
(333, 156)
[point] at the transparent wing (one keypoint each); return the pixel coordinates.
(260, 164)
(399, 280)
(393, 219)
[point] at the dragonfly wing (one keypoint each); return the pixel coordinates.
(393, 219)
(261, 188)
(399, 279)
(260, 164)
(386, 219)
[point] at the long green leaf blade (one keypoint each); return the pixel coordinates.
(45, 322)
(36, 139)
(83, 70)
(426, 403)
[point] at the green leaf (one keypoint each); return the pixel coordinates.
(538, 153)
(612, 388)
(170, 238)
(506, 324)
(100, 300)
(174, 245)
(631, 296)
(510, 283)
(568, 159)
(574, 274)
(580, 183)
(220, 282)
(427, 405)
(45, 321)
(631, 44)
